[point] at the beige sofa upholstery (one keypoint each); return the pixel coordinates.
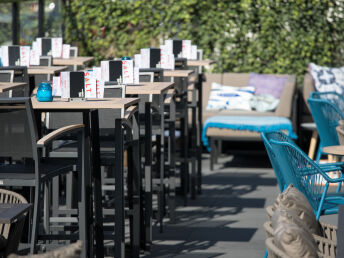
(308, 87)
(284, 108)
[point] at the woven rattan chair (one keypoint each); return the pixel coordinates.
(11, 233)
(329, 231)
(326, 248)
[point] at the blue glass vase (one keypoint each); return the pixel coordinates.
(44, 92)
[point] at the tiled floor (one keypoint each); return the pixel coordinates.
(226, 220)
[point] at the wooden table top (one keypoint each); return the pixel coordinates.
(79, 60)
(45, 69)
(106, 103)
(6, 86)
(178, 73)
(149, 88)
(200, 62)
(335, 150)
(10, 211)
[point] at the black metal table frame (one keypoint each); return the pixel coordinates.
(91, 122)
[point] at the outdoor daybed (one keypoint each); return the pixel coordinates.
(282, 112)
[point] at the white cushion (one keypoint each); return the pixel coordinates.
(229, 97)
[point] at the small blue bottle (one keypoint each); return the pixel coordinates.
(44, 92)
(126, 58)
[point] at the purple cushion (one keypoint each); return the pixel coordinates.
(267, 84)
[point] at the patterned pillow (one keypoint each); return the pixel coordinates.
(267, 84)
(327, 78)
(229, 97)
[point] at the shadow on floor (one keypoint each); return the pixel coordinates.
(214, 217)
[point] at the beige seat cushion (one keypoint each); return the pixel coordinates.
(292, 200)
(69, 251)
(292, 238)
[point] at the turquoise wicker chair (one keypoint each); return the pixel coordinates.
(282, 181)
(327, 109)
(310, 178)
(280, 163)
(283, 178)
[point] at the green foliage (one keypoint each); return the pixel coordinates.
(267, 36)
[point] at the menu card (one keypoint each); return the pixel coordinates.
(24, 55)
(57, 91)
(66, 51)
(90, 85)
(56, 47)
(128, 71)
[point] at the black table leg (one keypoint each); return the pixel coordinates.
(134, 187)
(200, 124)
(85, 202)
(96, 176)
(194, 153)
(148, 175)
(119, 237)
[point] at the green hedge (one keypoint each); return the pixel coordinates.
(267, 36)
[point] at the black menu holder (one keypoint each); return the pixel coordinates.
(13, 55)
(155, 57)
(46, 46)
(77, 86)
(177, 47)
(115, 70)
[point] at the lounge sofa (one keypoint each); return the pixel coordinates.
(284, 108)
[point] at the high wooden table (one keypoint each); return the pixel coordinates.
(153, 95)
(178, 73)
(45, 70)
(7, 86)
(200, 62)
(198, 80)
(79, 60)
(181, 79)
(89, 109)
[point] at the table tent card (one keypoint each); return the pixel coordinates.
(24, 56)
(72, 84)
(10, 55)
(128, 71)
(150, 57)
(39, 46)
(66, 51)
(137, 60)
(193, 52)
(186, 49)
(136, 75)
(90, 85)
(167, 58)
(34, 54)
(111, 70)
(56, 86)
(175, 45)
(99, 82)
(56, 47)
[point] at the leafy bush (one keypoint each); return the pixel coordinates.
(267, 36)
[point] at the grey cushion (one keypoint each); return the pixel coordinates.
(292, 200)
(70, 251)
(294, 240)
